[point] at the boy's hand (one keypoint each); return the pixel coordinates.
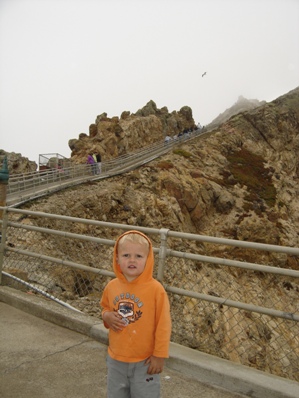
(114, 321)
(155, 365)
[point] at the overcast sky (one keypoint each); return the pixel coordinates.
(63, 62)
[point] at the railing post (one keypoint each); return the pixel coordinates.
(3, 239)
(4, 176)
(162, 253)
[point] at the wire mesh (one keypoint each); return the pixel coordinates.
(266, 343)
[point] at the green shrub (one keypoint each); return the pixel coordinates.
(182, 152)
(248, 169)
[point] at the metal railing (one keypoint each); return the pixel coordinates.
(28, 186)
(221, 304)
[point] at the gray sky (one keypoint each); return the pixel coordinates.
(63, 62)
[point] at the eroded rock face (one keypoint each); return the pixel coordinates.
(116, 136)
(242, 105)
(18, 164)
(238, 181)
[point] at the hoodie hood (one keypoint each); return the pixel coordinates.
(147, 274)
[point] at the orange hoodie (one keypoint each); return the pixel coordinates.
(145, 306)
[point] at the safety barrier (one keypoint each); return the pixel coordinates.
(28, 186)
(221, 303)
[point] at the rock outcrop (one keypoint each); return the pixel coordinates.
(237, 181)
(116, 136)
(17, 164)
(242, 105)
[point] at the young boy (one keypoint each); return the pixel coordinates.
(136, 311)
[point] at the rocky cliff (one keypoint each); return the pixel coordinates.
(239, 181)
(112, 137)
(242, 105)
(17, 164)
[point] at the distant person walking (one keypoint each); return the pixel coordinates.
(91, 161)
(99, 163)
(167, 139)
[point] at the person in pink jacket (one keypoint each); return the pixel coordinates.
(137, 313)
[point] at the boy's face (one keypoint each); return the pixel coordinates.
(132, 259)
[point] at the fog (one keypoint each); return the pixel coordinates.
(63, 62)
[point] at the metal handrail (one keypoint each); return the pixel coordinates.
(164, 235)
(26, 186)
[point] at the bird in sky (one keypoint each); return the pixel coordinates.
(203, 74)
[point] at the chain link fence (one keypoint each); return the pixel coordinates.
(221, 303)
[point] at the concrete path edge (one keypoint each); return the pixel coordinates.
(206, 368)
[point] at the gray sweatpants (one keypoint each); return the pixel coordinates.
(130, 380)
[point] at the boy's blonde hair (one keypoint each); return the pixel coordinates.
(134, 238)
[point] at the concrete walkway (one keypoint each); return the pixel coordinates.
(48, 351)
